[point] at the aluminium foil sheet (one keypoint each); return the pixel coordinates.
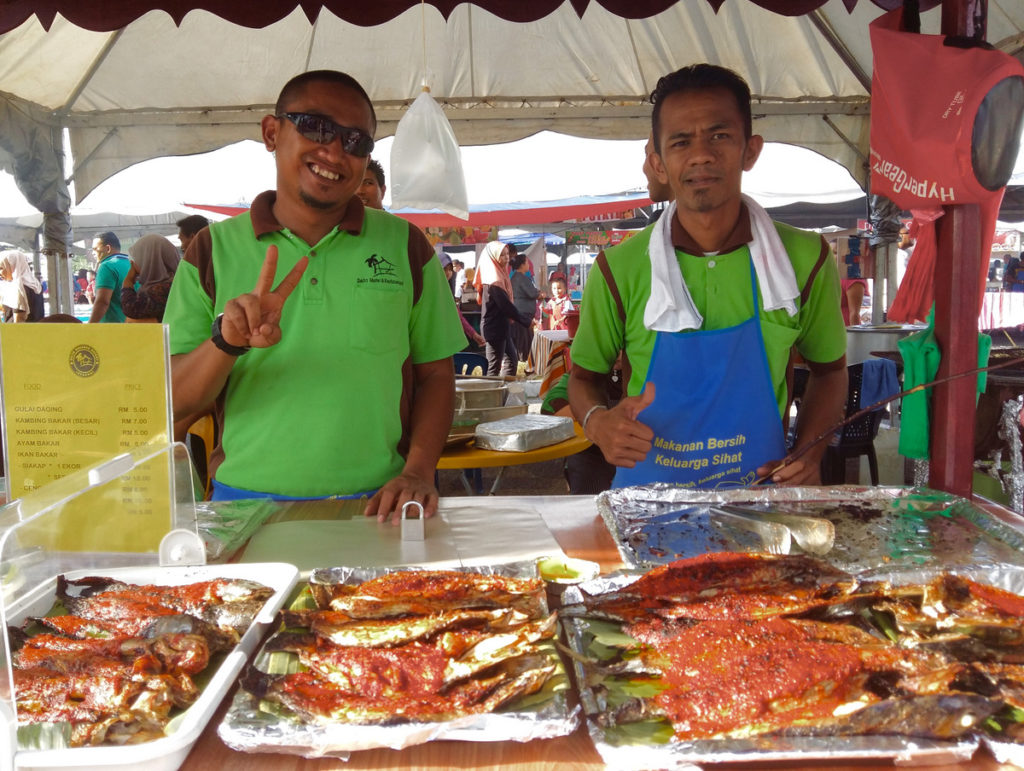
(645, 752)
(874, 527)
(894, 534)
(522, 433)
(548, 714)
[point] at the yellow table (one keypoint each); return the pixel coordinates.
(468, 456)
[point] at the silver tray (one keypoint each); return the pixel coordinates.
(523, 433)
(692, 754)
(886, 533)
(874, 527)
(245, 727)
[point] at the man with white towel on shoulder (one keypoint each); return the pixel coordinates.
(708, 304)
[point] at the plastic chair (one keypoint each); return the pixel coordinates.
(855, 439)
(466, 362)
(200, 440)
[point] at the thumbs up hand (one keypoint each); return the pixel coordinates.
(623, 439)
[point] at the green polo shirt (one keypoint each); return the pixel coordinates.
(721, 289)
(326, 410)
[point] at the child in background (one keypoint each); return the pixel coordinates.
(559, 304)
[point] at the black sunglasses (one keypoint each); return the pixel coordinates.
(317, 128)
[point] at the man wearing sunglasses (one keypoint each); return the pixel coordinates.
(320, 330)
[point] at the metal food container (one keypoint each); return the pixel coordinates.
(479, 415)
(862, 340)
(479, 393)
(524, 432)
(873, 526)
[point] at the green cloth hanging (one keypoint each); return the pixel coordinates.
(921, 357)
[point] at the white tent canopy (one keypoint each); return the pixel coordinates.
(153, 88)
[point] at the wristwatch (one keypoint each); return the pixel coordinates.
(218, 340)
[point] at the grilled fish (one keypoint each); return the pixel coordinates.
(98, 692)
(727, 585)
(175, 653)
(743, 678)
(718, 655)
(931, 716)
(319, 701)
(226, 604)
(85, 628)
(416, 668)
(954, 605)
(431, 591)
(342, 629)
(125, 655)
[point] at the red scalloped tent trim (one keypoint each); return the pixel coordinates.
(114, 14)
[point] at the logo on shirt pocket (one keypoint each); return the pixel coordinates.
(380, 266)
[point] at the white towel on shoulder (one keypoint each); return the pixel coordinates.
(670, 307)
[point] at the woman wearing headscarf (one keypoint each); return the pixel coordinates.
(524, 295)
(21, 294)
(154, 261)
(497, 309)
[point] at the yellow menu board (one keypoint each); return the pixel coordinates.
(75, 395)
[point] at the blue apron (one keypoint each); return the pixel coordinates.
(223, 492)
(714, 414)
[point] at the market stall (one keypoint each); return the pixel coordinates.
(878, 550)
(584, 528)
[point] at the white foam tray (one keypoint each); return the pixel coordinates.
(169, 752)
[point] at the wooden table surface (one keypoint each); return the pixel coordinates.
(581, 533)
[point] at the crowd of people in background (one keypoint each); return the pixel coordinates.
(511, 302)
(124, 287)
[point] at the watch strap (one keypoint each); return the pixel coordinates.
(218, 340)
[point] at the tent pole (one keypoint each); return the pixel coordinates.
(957, 271)
(880, 283)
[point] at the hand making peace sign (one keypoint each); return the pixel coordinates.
(253, 319)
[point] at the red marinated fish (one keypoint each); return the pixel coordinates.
(430, 591)
(96, 693)
(727, 585)
(187, 653)
(342, 629)
(414, 668)
(125, 656)
(228, 604)
(718, 654)
(317, 700)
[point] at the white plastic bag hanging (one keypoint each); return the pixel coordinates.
(426, 166)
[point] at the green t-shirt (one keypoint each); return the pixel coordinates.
(110, 274)
(721, 289)
(324, 411)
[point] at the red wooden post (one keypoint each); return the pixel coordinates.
(957, 271)
(956, 329)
